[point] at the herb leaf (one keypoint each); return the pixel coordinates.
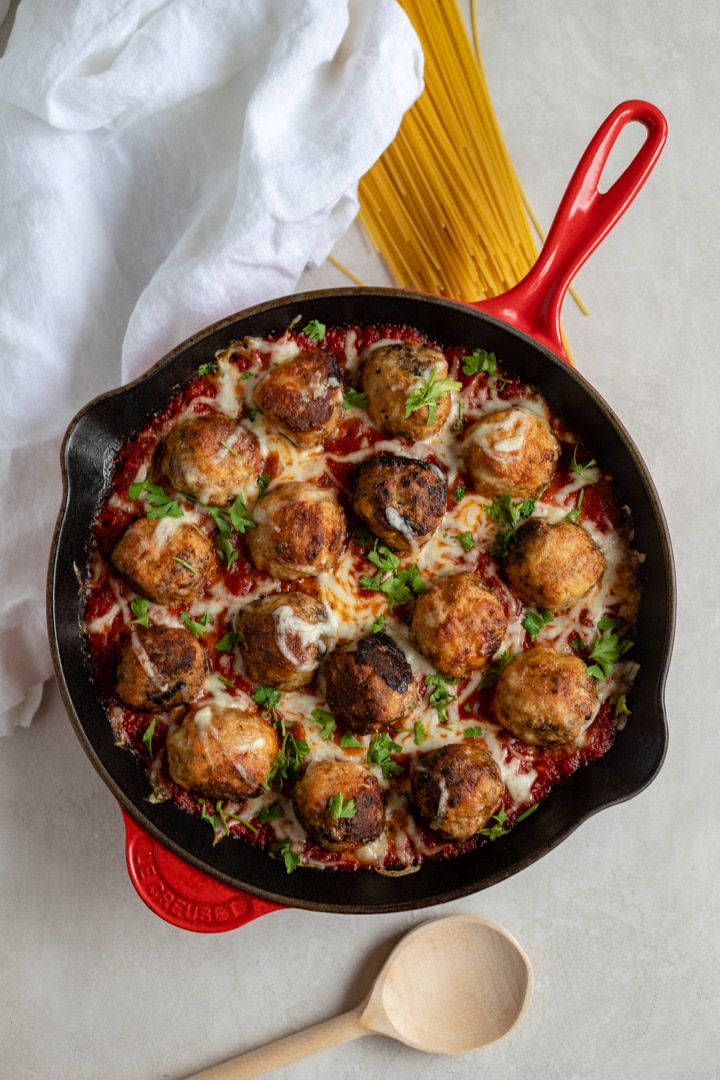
(473, 732)
(208, 369)
(378, 624)
(495, 670)
(430, 393)
(325, 722)
(291, 860)
(535, 620)
(440, 697)
(399, 586)
(607, 649)
(315, 330)
(348, 740)
(357, 399)
(480, 360)
(196, 626)
(160, 504)
(381, 746)
(340, 807)
(148, 735)
(466, 539)
(503, 510)
(140, 609)
(581, 470)
(262, 482)
(227, 641)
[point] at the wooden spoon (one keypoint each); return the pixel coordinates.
(448, 987)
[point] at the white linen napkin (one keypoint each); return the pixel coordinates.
(165, 163)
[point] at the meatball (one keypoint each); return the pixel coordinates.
(303, 398)
(457, 788)
(283, 638)
(546, 698)
(390, 374)
(160, 667)
(167, 560)
(459, 623)
(212, 458)
(369, 684)
(511, 451)
(300, 531)
(314, 799)
(222, 753)
(552, 566)
(400, 499)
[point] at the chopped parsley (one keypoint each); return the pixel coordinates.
(440, 698)
(607, 649)
(466, 539)
(315, 330)
(340, 807)
(419, 732)
(473, 732)
(289, 758)
(379, 751)
(196, 626)
(160, 504)
(185, 563)
(459, 492)
(429, 393)
(511, 514)
(226, 519)
(399, 586)
(208, 369)
(480, 360)
(357, 399)
(325, 721)
(501, 827)
(262, 482)
(535, 620)
(348, 741)
(270, 813)
(574, 514)
(140, 609)
(581, 470)
(148, 735)
(494, 672)
(268, 698)
(247, 375)
(291, 860)
(227, 641)
(378, 624)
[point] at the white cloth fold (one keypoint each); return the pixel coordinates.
(165, 163)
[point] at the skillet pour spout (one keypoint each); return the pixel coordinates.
(522, 328)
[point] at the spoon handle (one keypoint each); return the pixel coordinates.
(282, 1052)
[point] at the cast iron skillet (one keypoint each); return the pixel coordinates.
(523, 329)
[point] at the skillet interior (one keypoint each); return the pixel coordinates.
(90, 445)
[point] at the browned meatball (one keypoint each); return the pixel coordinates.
(546, 698)
(457, 788)
(511, 451)
(160, 667)
(369, 684)
(321, 783)
(221, 753)
(400, 499)
(552, 566)
(303, 398)
(212, 458)
(459, 623)
(301, 530)
(390, 374)
(167, 561)
(283, 638)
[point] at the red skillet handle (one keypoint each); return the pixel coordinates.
(583, 219)
(182, 895)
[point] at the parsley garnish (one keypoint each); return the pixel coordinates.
(348, 740)
(227, 641)
(196, 626)
(268, 698)
(247, 375)
(252, 413)
(399, 586)
(581, 470)
(225, 682)
(340, 807)
(325, 722)
(501, 827)
(503, 510)
(315, 330)
(208, 369)
(495, 671)
(289, 758)
(440, 697)
(535, 620)
(378, 624)
(291, 860)
(419, 732)
(429, 393)
(355, 399)
(185, 563)
(140, 608)
(270, 813)
(160, 504)
(473, 732)
(459, 492)
(466, 539)
(262, 482)
(204, 815)
(148, 736)
(381, 746)
(573, 515)
(226, 519)
(607, 649)
(621, 707)
(481, 360)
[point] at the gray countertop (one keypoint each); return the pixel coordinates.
(622, 920)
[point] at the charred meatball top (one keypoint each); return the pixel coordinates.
(221, 753)
(303, 398)
(390, 374)
(212, 458)
(160, 667)
(546, 698)
(370, 686)
(552, 566)
(283, 638)
(512, 450)
(167, 560)
(400, 499)
(457, 789)
(459, 623)
(300, 531)
(319, 810)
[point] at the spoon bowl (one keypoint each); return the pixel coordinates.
(449, 986)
